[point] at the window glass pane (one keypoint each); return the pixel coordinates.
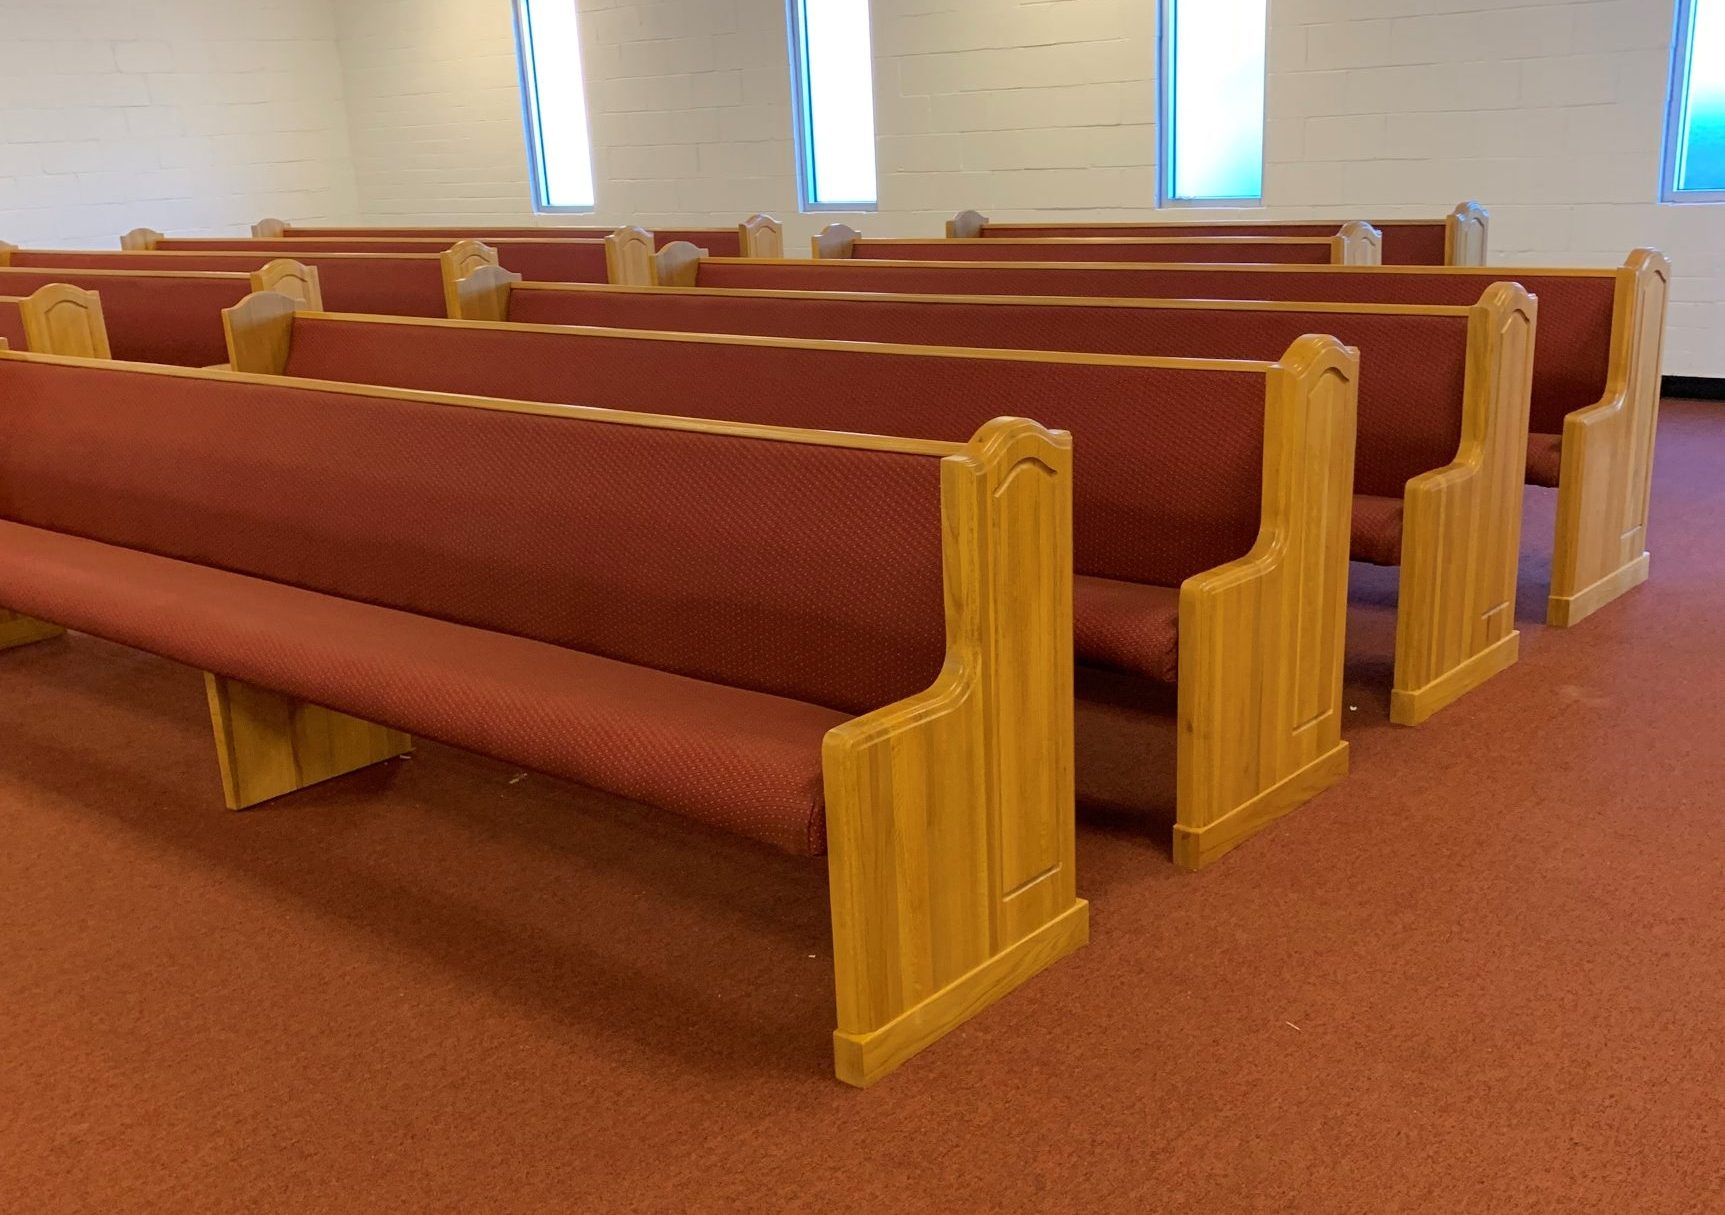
(1701, 139)
(556, 97)
(1214, 98)
(837, 72)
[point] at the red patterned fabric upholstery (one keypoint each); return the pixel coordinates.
(1169, 461)
(1544, 459)
(788, 570)
(1413, 368)
(404, 285)
(1575, 310)
(167, 319)
(1101, 251)
(565, 260)
(719, 242)
(1377, 529)
(1416, 244)
(737, 759)
(1127, 626)
(11, 321)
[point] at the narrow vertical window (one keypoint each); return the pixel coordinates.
(558, 153)
(832, 69)
(1695, 122)
(1212, 100)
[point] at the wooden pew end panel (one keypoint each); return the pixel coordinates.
(1466, 230)
(65, 320)
(141, 239)
(483, 295)
(966, 225)
(270, 745)
(629, 257)
(457, 262)
(17, 631)
(293, 279)
(1606, 478)
(836, 240)
(259, 331)
(678, 264)
(1359, 244)
(1261, 638)
(761, 236)
(270, 229)
(950, 814)
(1461, 524)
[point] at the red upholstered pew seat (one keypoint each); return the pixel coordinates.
(1293, 250)
(152, 317)
(767, 631)
(1414, 243)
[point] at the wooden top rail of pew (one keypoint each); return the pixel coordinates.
(152, 316)
(1595, 381)
(1458, 239)
(402, 284)
(609, 586)
(1355, 244)
(757, 236)
(601, 259)
(1205, 483)
(1435, 373)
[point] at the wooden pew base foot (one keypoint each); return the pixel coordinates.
(861, 1059)
(1561, 611)
(1196, 847)
(16, 630)
(1410, 708)
(269, 745)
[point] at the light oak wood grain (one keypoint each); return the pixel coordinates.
(63, 319)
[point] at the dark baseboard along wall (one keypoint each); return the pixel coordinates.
(1695, 387)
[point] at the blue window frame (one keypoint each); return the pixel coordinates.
(832, 74)
(559, 150)
(1695, 124)
(1212, 102)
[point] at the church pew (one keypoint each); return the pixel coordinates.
(1356, 244)
(546, 259)
(404, 284)
(1448, 512)
(757, 236)
(56, 318)
(1211, 515)
(599, 614)
(1596, 375)
(152, 316)
(1458, 239)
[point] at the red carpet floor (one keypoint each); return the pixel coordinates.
(1486, 974)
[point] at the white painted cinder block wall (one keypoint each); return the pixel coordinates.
(190, 116)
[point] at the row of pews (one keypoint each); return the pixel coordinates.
(812, 550)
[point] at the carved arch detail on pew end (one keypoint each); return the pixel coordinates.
(629, 255)
(65, 320)
(966, 225)
(761, 235)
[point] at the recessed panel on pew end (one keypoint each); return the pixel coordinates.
(950, 814)
(1607, 456)
(1261, 638)
(62, 319)
(1466, 230)
(294, 279)
(629, 257)
(760, 236)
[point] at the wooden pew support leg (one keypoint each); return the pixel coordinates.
(1261, 638)
(16, 630)
(269, 745)
(950, 822)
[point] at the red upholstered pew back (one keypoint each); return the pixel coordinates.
(563, 260)
(1409, 244)
(754, 563)
(153, 318)
(11, 320)
(1575, 310)
(718, 242)
(400, 285)
(1411, 374)
(1313, 253)
(1169, 459)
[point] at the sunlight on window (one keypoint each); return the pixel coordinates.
(1697, 153)
(835, 75)
(1213, 99)
(556, 103)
